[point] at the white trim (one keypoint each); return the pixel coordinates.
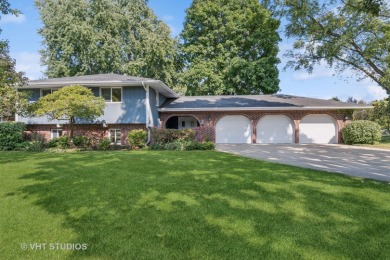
(153, 83)
(51, 132)
(149, 115)
(110, 87)
(258, 108)
(109, 136)
(41, 90)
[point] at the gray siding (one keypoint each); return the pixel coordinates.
(35, 94)
(131, 110)
(162, 100)
(153, 106)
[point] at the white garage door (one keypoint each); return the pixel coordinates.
(233, 130)
(318, 129)
(277, 129)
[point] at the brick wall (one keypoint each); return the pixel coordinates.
(210, 118)
(95, 132)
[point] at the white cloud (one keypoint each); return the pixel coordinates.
(168, 18)
(320, 71)
(29, 62)
(376, 92)
(8, 18)
(174, 31)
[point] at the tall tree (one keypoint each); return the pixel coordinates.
(71, 103)
(381, 113)
(83, 37)
(11, 101)
(230, 47)
(347, 34)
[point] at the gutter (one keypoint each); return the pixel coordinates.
(147, 106)
(258, 108)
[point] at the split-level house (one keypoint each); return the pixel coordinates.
(142, 103)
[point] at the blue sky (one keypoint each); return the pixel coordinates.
(322, 83)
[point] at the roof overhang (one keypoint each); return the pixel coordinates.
(157, 85)
(201, 109)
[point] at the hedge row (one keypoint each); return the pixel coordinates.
(362, 132)
(11, 135)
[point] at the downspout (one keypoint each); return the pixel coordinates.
(147, 106)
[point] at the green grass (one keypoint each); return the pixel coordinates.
(186, 205)
(385, 142)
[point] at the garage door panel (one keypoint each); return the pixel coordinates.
(319, 129)
(234, 129)
(275, 129)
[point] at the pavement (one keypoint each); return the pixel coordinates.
(349, 160)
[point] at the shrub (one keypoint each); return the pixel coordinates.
(35, 146)
(160, 136)
(11, 134)
(361, 132)
(183, 145)
(137, 138)
(61, 142)
(81, 141)
(104, 145)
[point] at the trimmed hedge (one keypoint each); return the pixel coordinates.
(183, 146)
(161, 136)
(137, 138)
(362, 132)
(81, 141)
(11, 135)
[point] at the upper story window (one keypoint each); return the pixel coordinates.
(111, 94)
(45, 92)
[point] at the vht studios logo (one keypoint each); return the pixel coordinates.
(54, 246)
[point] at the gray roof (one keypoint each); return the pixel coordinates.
(100, 80)
(110, 77)
(254, 102)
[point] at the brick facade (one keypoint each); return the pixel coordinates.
(95, 132)
(209, 119)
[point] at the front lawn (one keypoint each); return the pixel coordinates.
(185, 205)
(384, 143)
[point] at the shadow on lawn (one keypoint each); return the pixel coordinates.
(209, 205)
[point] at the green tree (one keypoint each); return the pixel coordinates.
(230, 47)
(102, 36)
(381, 113)
(11, 101)
(71, 103)
(347, 34)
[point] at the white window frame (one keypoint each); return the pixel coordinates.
(55, 130)
(117, 142)
(51, 91)
(2, 119)
(110, 101)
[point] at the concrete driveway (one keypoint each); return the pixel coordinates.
(354, 161)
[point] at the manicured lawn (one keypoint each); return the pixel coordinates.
(385, 143)
(186, 205)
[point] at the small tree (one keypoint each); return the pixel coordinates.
(71, 103)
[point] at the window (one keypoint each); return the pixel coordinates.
(111, 94)
(2, 119)
(45, 92)
(115, 136)
(55, 133)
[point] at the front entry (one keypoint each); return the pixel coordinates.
(182, 122)
(187, 122)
